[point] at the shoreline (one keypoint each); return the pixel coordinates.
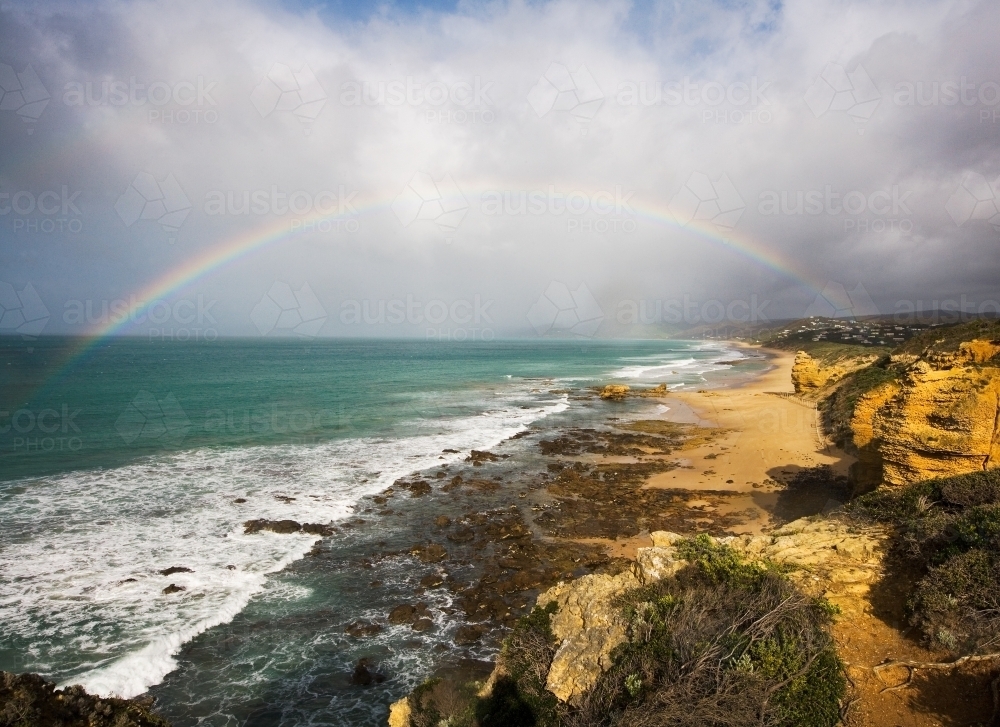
(765, 440)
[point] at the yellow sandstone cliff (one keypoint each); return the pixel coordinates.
(940, 417)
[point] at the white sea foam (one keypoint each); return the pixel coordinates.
(82, 583)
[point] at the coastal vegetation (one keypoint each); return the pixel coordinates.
(725, 642)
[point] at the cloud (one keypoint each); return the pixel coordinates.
(695, 109)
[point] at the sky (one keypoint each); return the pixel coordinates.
(473, 170)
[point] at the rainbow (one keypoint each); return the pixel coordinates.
(276, 231)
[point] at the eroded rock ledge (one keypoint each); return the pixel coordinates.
(828, 558)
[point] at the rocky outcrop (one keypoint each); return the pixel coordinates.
(587, 627)
(285, 527)
(940, 417)
(27, 700)
(614, 392)
(620, 392)
(827, 559)
(400, 713)
(809, 375)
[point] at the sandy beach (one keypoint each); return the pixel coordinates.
(764, 438)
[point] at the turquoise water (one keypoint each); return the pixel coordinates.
(144, 456)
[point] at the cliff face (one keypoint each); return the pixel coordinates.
(939, 417)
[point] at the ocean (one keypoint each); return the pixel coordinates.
(138, 457)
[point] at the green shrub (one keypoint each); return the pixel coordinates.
(725, 643)
(519, 697)
(947, 531)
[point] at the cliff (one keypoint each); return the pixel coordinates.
(936, 414)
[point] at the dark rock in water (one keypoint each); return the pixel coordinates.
(430, 552)
(450, 451)
(275, 526)
(284, 498)
(417, 488)
(432, 580)
(239, 500)
(284, 527)
(467, 635)
(442, 521)
(477, 457)
(403, 614)
(27, 700)
(406, 613)
(364, 676)
(422, 624)
(230, 567)
(462, 535)
(127, 580)
(175, 569)
(173, 588)
(361, 629)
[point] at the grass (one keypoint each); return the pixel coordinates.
(948, 530)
